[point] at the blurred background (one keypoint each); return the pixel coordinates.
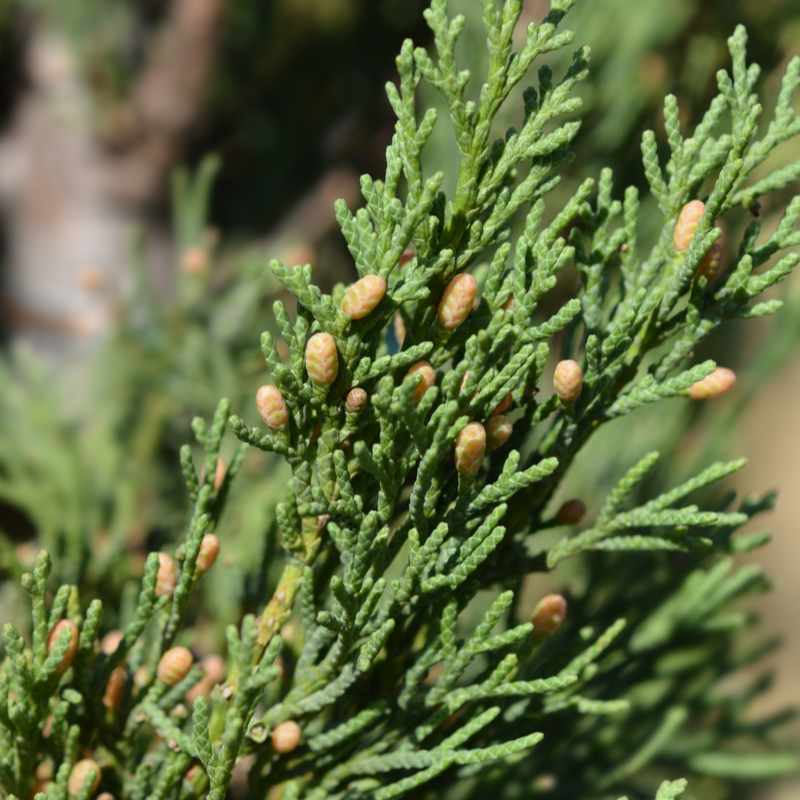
(155, 153)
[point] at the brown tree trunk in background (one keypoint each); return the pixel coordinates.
(69, 201)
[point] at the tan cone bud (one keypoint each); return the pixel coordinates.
(72, 649)
(428, 379)
(79, 773)
(571, 513)
(399, 328)
(710, 264)
(214, 667)
(406, 257)
(286, 737)
(105, 796)
(548, 615)
(470, 448)
(686, 226)
(174, 665)
(568, 381)
(719, 382)
(356, 401)
(166, 578)
(272, 407)
(503, 406)
(457, 300)
(464, 380)
(110, 641)
(195, 260)
(115, 689)
(509, 304)
(209, 550)
(322, 359)
(498, 429)
(363, 296)
(219, 474)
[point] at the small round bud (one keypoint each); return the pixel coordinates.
(719, 382)
(194, 260)
(503, 406)
(710, 263)
(105, 796)
(428, 379)
(568, 381)
(686, 226)
(548, 615)
(115, 689)
(406, 257)
(498, 429)
(464, 380)
(72, 648)
(214, 667)
(174, 665)
(286, 737)
(219, 474)
(111, 641)
(166, 578)
(571, 513)
(356, 401)
(322, 359)
(79, 774)
(272, 407)
(399, 328)
(363, 296)
(209, 550)
(470, 448)
(457, 300)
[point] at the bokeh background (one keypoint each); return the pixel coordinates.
(155, 153)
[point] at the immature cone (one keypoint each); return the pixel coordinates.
(399, 328)
(322, 359)
(509, 304)
(405, 257)
(356, 401)
(166, 578)
(568, 381)
(716, 384)
(174, 665)
(503, 406)
(428, 379)
(286, 737)
(709, 266)
(571, 513)
(272, 407)
(194, 260)
(219, 474)
(111, 641)
(362, 297)
(470, 448)
(72, 649)
(457, 300)
(214, 667)
(115, 690)
(686, 226)
(498, 429)
(209, 550)
(548, 615)
(78, 776)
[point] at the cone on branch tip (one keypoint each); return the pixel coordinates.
(272, 407)
(470, 448)
(72, 648)
(166, 578)
(209, 550)
(548, 615)
(286, 737)
(363, 296)
(568, 380)
(79, 774)
(686, 226)
(498, 429)
(428, 379)
(457, 300)
(503, 406)
(174, 665)
(719, 382)
(711, 261)
(322, 359)
(356, 401)
(115, 689)
(571, 512)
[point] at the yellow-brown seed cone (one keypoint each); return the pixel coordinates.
(209, 550)
(363, 296)
(548, 615)
(115, 689)
(503, 406)
(214, 667)
(79, 773)
(174, 665)
(498, 429)
(272, 407)
(428, 379)
(166, 578)
(286, 737)
(719, 382)
(571, 512)
(710, 263)
(470, 448)
(686, 226)
(457, 300)
(111, 641)
(219, 474)
(568, 380)
(322, 359)
(72, 649)
(356, 401)
(399, 328)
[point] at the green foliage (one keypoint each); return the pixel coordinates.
(390, 545)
